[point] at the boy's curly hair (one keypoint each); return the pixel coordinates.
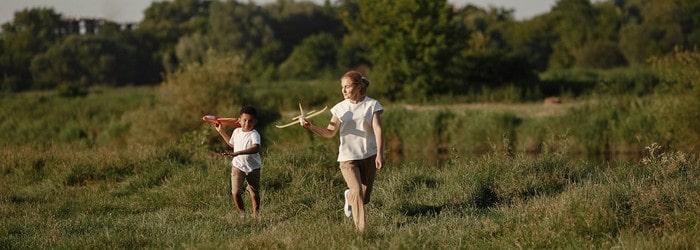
(250, 110)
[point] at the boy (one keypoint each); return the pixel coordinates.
(246, 162)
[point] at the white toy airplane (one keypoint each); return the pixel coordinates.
(300, 118)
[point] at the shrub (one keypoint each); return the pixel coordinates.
(213, 87)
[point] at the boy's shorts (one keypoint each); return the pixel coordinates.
(238, 178)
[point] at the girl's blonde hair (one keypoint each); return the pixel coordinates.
(357, 79)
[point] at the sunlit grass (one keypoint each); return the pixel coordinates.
(459, 179)
(173, 197)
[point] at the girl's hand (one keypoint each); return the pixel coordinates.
(379, 161)
(218, 127)
(306, 124)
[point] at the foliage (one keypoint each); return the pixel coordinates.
(353, 54)
(314, 58)
(414, 50)
(238, 28)
(294, 21)
(680, 69)
(83, 62)
(262, 64)
(680, 74)
(163, 25)
(660, 26)
(211, 88)
(31, 32)
(409, 44)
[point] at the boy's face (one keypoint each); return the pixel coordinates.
(247, 122)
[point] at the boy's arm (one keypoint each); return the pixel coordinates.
(223, 134)
(248, 151)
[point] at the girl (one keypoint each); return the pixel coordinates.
(358, 118)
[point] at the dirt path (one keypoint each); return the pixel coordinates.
(532, 110)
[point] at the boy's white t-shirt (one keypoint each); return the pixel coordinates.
(242, 140)
(357, 139)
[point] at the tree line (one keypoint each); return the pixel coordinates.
(411, 48)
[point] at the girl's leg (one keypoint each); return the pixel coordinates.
(237, 180)
(368, 171)
(253, 179)
(351, 174)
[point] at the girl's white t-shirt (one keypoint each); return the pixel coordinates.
(242, 140)
(357, 139)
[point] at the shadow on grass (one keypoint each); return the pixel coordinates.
(420, 210)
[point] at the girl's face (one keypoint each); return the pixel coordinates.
(247, 122)
(350, 90)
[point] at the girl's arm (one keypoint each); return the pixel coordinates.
(379, 137)
(327, 132)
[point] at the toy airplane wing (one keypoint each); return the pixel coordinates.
(226, 121)
(300, 118)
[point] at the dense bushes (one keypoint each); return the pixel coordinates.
(212, 87)
(82, 62)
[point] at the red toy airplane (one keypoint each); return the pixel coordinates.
(231, 122)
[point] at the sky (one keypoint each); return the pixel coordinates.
(132, 10)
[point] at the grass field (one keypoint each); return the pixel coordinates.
(174, 198)
(72, 177)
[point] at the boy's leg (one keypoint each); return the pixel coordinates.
(237, 180)
(253, 179)
(351, 174)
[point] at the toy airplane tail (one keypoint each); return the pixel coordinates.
(230, 122)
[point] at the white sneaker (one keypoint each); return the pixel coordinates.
(347, 208)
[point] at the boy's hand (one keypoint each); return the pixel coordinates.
(218, 126)
(229, 154)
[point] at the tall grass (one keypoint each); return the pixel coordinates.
(44, 118)
(149, 197)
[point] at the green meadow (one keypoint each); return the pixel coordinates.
(131, 168)
(574, 129)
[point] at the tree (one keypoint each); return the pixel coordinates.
(315, 57)
(534, 40)
(262, 65)
(83, 61)
(31, 32)
(575, 27)
(482, 55)
(292, 22)
(192, 49)
(600, 55)
(408, 41)
(657, 33)
(689, 19)
(353, 53)
(263, 36)
(238, 28)
(603, 51)
(165, 23)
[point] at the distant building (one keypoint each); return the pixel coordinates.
(129, 26)
(90, 26)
